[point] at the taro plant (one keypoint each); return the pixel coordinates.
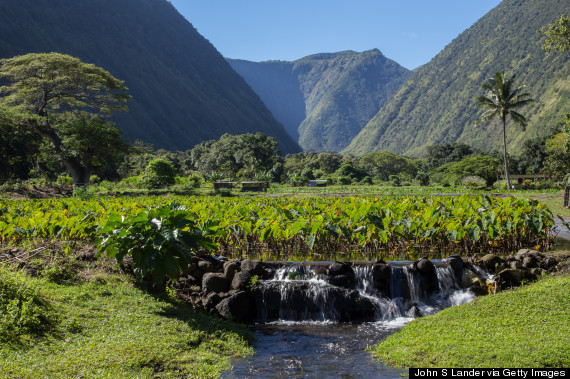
(160, 240)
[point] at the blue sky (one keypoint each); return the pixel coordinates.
(411, 32)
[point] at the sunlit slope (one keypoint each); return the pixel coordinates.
(436, 105)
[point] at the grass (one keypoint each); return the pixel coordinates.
(527, 327)
(109, 328)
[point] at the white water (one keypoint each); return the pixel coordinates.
(407, 299)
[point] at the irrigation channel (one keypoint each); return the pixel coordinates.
(302, 329)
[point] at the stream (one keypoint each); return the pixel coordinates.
(300, 332)
(317, 350)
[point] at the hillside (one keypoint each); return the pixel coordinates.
(436, 105)
(324, 100)
(184, 91)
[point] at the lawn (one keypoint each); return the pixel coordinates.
(108, 328)
(526, 327)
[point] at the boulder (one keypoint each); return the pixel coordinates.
(425, 266)
(241, 280)
(550, 262)
(493, 263)
(195, 272)
(477, 290)
(340, 268)
(255, 267)
(345, 281)
(381, 272)
(523, 253)
(530, 261)
(320, 270)
(516, 265)
(240, 307)
(298, 301)
(230, 268)
(538, 271)
(215, 282)
(456, 264)
(510, 277)
(207, 266)
(210, 301)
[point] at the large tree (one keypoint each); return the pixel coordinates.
(501, 99)
(66, 101)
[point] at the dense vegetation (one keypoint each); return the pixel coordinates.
(436, 105)
(324, 100)
(184, 92)
(278, 228)
(527, 327)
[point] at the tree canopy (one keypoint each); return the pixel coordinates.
(65, 101)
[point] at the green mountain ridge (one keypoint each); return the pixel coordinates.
(436, 105)
(325, 99)
(184, 91)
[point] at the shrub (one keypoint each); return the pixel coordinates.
(158, 174)
(394, 180)
(423, 179)
(344, 180)
(473, 182)
(21, 309)
(64, 181)
(160, 241)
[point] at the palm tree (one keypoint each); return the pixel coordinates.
(501, 99)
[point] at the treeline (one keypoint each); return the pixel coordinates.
(255, 157)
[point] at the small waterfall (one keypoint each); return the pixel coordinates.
(305, 292)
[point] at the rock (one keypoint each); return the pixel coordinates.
(550, 262)
(425, 266)
(515, 265)
(255, 267)
(240, 307)
(321, 270)
(268, 273)
(523, 253)
(340, 268)
(510, 277)
(215, 282)
(538, 271)
(211, 301)
(492, 262)
(381, 272)
(297, 301)
(414, 312)
(478, 290)
(195, 272)
(383, 287)
(206, 266)
(230, 268)
(241, 280)
(529, 261)
(345, 281)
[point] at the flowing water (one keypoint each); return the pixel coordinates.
(307, 341)
(317, 350)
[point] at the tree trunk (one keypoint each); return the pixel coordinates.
(507, 177)
(78, 172)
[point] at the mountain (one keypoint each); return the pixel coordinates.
(436, 105)
(324, 100)
(183, 90)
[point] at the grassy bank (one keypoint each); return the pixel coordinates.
(107, 328)
(527, 327)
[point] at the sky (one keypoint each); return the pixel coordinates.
(410, 32)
